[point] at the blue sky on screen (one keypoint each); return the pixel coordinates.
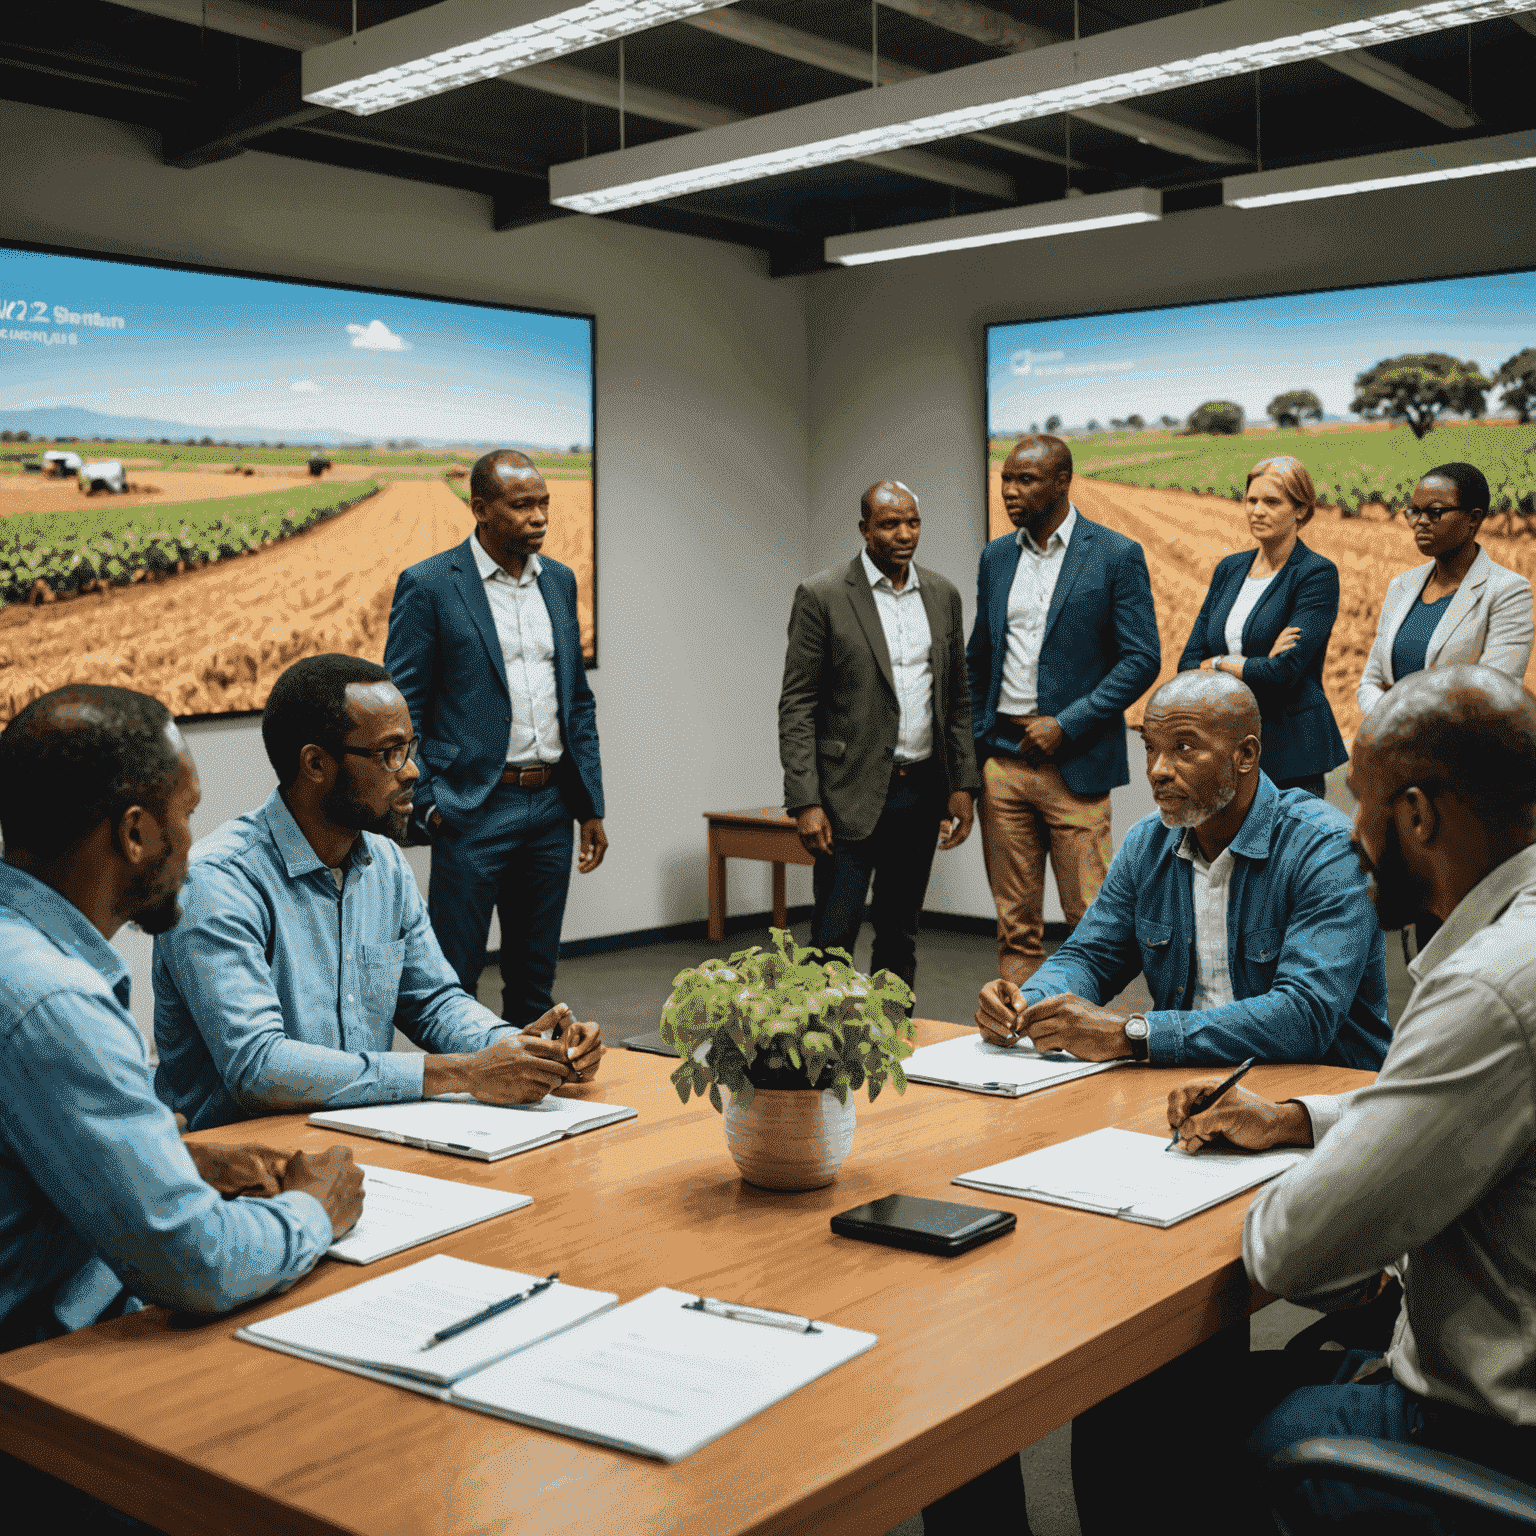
(280, 360)
(1167, 361)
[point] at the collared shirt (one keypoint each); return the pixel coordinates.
(910, 642)
(1437, 1161)
(1210, 885)
(99, 1200)
(1305, 954)
(1029, 602)
(277, 991)
(528, 651)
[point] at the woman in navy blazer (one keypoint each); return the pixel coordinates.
(1286, 598)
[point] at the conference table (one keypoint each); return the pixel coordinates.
(179, 1423)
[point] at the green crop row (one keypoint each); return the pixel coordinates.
(68, 551)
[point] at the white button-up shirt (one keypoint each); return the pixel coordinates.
(910, 642)
(1029, 601)
(528, 650)
(1210, 885)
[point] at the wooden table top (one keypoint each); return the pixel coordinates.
(185, 1426)
(765, 816)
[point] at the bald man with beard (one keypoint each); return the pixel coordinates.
(1430, 1170)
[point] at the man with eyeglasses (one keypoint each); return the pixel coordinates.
(305, 943)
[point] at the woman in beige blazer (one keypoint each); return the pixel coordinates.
(1461, 607)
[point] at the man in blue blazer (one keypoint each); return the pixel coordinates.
(484, 644)
(1065, 638)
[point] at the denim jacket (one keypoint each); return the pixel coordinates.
(1306, 954)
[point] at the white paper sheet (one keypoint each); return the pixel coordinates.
(402, 1209)
(465, 1127)
(970, 1062)
(382, 1324)
(1135, 1177)
(656, 1377)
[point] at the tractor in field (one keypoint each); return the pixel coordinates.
(318, 463)
(102, 475)
(61, 462)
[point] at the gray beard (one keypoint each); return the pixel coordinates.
(1196, 815)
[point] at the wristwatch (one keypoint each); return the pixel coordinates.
(1136, 1031)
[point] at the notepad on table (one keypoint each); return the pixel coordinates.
(1006, 1071)
(462, 1125)
(657, 1377)
(377, 1329)
(402, 1209)
(1135, 1177)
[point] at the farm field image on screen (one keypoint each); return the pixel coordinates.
(1166, 411)
(285, 450)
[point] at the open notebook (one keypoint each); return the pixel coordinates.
(403, 1209)
(1008, 1072)
(658, 1376)
(462, 1125)
(1126, 1174)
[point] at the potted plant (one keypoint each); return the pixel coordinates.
(790, 1034)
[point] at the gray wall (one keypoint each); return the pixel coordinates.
(897, 352)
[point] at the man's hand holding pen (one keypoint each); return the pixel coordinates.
(1061, 1023)
(1239, 1118)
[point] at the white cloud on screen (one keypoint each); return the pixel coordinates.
(305, 387)
(377, 337)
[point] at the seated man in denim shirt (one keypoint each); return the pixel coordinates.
(1244, 907)
(306, 943)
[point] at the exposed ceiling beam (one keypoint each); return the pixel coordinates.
(265, 111)
(839, 59)
(684, 112)
(242, 18)
(982, 24)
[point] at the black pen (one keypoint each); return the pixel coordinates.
(1209, 1097)
(494, 1310)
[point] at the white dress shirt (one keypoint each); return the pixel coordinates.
(1210, 885)
(1248, 595)
(1029, 601)
(528, 649)
(909, 641)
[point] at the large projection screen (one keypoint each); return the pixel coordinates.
(287, 450)
(1125, 390)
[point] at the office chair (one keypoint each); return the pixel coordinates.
(1467, 1497)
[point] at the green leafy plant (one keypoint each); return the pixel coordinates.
(790, 1012)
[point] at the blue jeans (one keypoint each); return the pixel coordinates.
(898, 855)
(513, 855)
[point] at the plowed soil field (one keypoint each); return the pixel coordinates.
(1185, 534)
(35, 494)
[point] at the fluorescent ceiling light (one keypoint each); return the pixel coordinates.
(1372, 173)
(461, 41)
(1068, 216)
(1235, 38)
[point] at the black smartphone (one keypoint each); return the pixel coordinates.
(929, 1226)
(652, 1043)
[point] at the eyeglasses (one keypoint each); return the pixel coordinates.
(393, 759)
(1427, 514)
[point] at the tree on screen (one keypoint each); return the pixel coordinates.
(1419, 388)
(1135, 422)
(1518, 376)
(1053, 424)
(1170, 422)
(1294, 407)
(1222, 418)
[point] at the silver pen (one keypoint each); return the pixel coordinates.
(744, 1314)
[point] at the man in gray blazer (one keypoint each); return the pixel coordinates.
(875, 731)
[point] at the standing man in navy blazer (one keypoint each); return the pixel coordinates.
(1065, 638)
(484, 644)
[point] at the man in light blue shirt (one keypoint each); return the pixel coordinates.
(305, 942)
(102, 1206)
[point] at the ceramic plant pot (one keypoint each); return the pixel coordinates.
(789, 1138)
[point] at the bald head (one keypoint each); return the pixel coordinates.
(885, 493)
(1225, 704)
(1469, 730)
(486, 478)
(1051, 453)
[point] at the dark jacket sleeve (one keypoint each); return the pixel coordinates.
(1140, 653)
(581, 716)
(959, 743)
(978, 653)
(1314, 608)
(803, 661)
(1197, 647)
(410, 655)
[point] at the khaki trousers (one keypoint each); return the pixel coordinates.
(1027, 813)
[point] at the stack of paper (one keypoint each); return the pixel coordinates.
(1121, 1173)
(969, 1062)
(401, 1210)
(378, 1328)
(462, 1125)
